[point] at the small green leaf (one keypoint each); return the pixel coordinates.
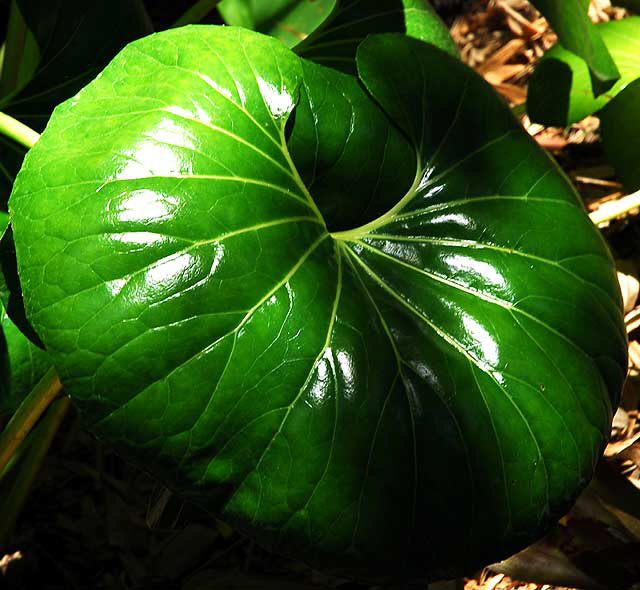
(22, 365)
(20, 53)
(291, 21)
(11, 298)
(620, 122)
(560, 88)
(579, 35)
(411, 394)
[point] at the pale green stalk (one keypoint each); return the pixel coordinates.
(18, 131)
(614, 209)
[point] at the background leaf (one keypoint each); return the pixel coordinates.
(620, 122)
(578, 34)
(76, 40)
(336, 42)
(11, 297)
(23, 364)
(316, 387)
(560, 88)
(291, 21)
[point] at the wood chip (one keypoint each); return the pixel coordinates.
(634, 355)
(527, 27)
(513, 93)
(502, 55)
(630, 288)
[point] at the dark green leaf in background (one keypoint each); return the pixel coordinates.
(76, 39)
(20, 52)
(291, 21)
(620, 126)
(335, 43)
(560, 88)
(329, 31)
(570, 20)
(22, 364)
(11, 298)
(415, 395)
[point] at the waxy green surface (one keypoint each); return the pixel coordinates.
(412, 393)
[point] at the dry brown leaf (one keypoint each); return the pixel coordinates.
(7, 559)
(630, 288)
(619, 447)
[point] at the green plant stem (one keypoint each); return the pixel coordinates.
(18, 131)
(196, 13)
(27, 415)
(613, 209)
(38, 445)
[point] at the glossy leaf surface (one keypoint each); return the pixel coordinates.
(571, 22)
(415, 394)
(620, 121)
(560, 89)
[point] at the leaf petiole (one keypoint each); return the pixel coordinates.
(609, 211)
(27, 415)
(18, 131)
(196, 13)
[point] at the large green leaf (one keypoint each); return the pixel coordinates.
(76, 40)
(620, 127)
(570, 20)
(411, 396)
(560, 88)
